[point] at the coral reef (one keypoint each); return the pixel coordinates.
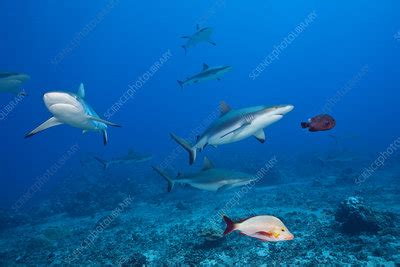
(185, 227)
(354, 217)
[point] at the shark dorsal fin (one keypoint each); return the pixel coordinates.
(224, 108)
(207, 164)
(81, 91)
(205, 66)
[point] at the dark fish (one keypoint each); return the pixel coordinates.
(318, 123)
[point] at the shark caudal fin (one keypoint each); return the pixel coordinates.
(180, 83)
(230, 225)
(184, 48)
(166, 177)
(186, 146)
(103, 162)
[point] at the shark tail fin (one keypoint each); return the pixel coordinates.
(180, 83)
(103, 162)
(230, 225)
(166, 177)
(184, 48)
(186, 146)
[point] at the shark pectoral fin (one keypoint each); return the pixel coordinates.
(103, 121)
(45, 125)
(207, 165)
(12, 86)
(237, 129)
(224, 188)
(213, 43)
(105, 137)
(260, 136)
(81, 91)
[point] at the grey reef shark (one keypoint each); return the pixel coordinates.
(72, 109)
(202, 35)
(130, 158)
(209, 178)
(207, 74)
(235, 125)
(12, 82)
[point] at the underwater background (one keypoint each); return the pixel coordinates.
(337, 191)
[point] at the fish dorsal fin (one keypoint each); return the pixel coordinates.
(197, 27)
(205, 66)
(81, 91)
(207, 165)
(224, 108)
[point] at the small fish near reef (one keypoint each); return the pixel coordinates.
(264, 227)
(323, 122)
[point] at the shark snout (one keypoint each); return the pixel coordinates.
(53, 98)
(283, 109)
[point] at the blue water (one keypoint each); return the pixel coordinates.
(344, 39)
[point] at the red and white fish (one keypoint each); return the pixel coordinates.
(264, 228)
(322, 122)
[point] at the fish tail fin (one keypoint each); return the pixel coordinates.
(230, 225)
(184, 48)
(186, 146)
(180, 83)
(166, 177)
(305, 125)
(103, 162)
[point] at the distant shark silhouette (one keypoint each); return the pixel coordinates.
(210, 178)
(206, 74)
(71, 109)
(202, 35)
(129, 158)
(12, 82)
